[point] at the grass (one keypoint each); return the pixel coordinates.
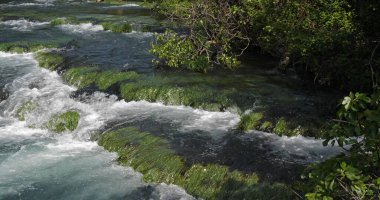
(250, 121)
(67, 121)
(49, 60)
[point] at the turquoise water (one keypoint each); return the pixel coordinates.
(38, 164)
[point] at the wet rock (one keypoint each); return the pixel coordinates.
(4, 94)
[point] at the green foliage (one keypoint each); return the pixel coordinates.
(25, 46)
(24, 109)
(67, 121)
(179, 52)
(355, 175)
(266, 126)
(250, 121)
(281, 127)
(49, 60)
(328, 42)
(117, 27)
(152, 156)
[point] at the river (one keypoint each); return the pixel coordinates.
(38, 164)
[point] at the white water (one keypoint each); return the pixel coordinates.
(37, 164)
(23, 24)
(81, 28)
(128, 5)
(46, 163)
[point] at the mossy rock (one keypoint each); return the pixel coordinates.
(67, 121)
(24, 109)
(250, 121)
(49, 60)
(146, 153)
(151, 155)
(82, 77)
(117, 27)
(169, 94)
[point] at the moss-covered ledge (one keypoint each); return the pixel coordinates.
(49, 60)
(282, 126)
(136, 87)
(152, 156)
(25, 46)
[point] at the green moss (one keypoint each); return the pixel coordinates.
(117, 27)
(108, 78)
(152, 156)
(84, 76)
(49, 60)
(156, 90)
(67, 121)
(144, 152)
(80, 76)
(24, 109)
(250, 121)
(24, 46)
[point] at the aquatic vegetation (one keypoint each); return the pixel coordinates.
(67, 121)
(144, 152)
(58, 21)
(66, 20)
(49, 60)
(250, 121)
(152, 156)
(82, 77)
(281, 127)
(158, 89)
(24, 109)
(117, 27)
(25, 46)
(266, 126)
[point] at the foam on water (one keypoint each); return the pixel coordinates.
(129, 5)
(23, 24)
(35, 3)
(82, 28)
(38, 158)
(295, 149)
(38, 163)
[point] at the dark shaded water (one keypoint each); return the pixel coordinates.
(37, 164)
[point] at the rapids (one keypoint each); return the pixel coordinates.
(38, 164)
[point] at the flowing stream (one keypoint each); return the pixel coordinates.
(38, 164)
